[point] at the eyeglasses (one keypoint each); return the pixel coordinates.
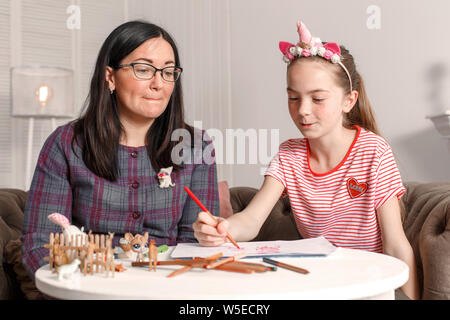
(145, 71)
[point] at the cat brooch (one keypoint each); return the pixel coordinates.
(164, 178)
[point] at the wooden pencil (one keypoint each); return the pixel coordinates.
(226, 260)
(285, 266)
(180, 271)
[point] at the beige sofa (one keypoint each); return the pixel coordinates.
(426, 223)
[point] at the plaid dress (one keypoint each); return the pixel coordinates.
(134, 203)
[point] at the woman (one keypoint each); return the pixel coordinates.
(101, 171)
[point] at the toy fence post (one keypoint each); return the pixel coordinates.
(102, 256)
(73, 248)
(51, 242)
(96, 256)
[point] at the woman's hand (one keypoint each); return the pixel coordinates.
(210, 231)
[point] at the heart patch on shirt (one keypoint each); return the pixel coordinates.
(356, 189)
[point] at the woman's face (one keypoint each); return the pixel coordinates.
(142, 101)
(316, 102)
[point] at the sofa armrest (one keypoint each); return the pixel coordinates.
(427, 227)
(12, 203)
(279, 225)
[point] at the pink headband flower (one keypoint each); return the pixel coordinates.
(310, 46)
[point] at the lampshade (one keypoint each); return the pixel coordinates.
(39, 91)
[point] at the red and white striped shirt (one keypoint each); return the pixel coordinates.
(340, 204)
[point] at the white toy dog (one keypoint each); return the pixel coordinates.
(68, 269)
(165, 180)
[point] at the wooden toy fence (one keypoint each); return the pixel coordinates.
(94, 252)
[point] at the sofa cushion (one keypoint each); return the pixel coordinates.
(279, 225)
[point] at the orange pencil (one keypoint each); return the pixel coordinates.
(207, 211)
(179, 271)
(226, 260)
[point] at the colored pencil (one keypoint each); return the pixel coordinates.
(285, 266)
(179, 271)
(207, 211)
(239, 264)
(237, 268)
(226, 260)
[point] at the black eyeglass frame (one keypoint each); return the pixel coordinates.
(156, 70)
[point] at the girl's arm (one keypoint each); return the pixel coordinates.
(242, 226)
(396, 244)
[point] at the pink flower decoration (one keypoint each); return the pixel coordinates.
(328, 54)
(306, 53)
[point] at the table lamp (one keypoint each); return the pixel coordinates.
(40, 92)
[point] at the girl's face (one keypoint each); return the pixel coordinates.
(143, 100)
(316, 102)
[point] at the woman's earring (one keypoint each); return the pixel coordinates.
(111, 91)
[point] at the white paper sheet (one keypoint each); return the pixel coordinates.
(304, 247)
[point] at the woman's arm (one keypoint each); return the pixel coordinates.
(242, 226)
(396, 244)
(50, 192)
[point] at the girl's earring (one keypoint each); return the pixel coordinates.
(111, 91)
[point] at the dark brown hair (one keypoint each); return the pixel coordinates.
(98, 130)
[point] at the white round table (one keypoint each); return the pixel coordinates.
(345, 274)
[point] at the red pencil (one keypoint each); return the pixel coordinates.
(207, 211)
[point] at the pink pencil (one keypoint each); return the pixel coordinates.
(207, 211)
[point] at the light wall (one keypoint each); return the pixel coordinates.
(43, 33)
(234, 77)
(404, 64)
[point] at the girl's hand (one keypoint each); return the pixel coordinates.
(210, 231)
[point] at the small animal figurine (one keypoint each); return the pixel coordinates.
(89, 260)
(68, 229)
(68, 269)
(126, 252)
(164, 178)
(152, 256)
(136, 244)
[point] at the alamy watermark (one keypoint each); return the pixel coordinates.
(236, 146)
(374, 20)
(74, 20)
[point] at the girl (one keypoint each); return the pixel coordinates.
(341, 179)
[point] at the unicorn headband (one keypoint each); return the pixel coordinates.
(311, 46)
